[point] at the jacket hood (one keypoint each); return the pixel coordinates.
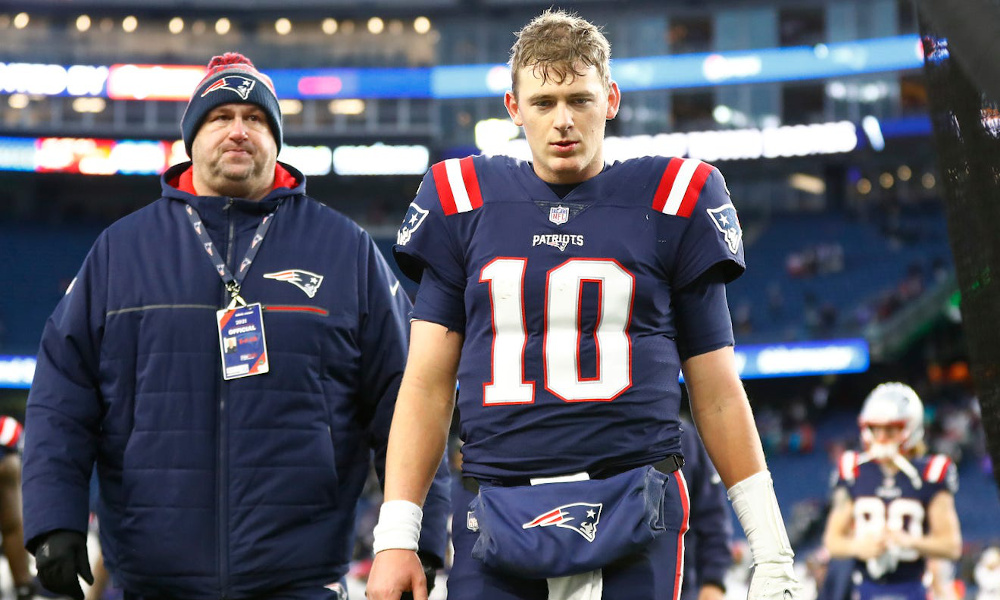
(283, 172)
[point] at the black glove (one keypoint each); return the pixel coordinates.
(59, 557)
(430, 572)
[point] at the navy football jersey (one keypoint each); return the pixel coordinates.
(570, 359)
(898, 503)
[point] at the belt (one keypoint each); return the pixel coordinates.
(671, 463)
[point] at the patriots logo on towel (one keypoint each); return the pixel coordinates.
(728, 224)
(241, 86)
(411, 222)
(338, 590)
(581, 517)
(304, 280)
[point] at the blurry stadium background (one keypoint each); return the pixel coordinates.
(815, 111)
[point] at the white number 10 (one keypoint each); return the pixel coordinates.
(561, 345)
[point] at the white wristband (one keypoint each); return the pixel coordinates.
(757, 509)
(398, 526)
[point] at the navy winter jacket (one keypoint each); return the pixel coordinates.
(213, 488)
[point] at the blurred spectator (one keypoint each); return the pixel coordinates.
(987, 574)
(775, 301)
(742, 318)
(11, 525)
(818, 259)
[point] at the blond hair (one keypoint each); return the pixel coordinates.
(555, 44)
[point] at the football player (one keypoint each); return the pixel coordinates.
(893, 507)
(11, 524)
(565, 295)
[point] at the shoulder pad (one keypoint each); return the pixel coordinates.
(679, 188)
(848, 468)
(10, 432)
(936, 468)
(457, 185)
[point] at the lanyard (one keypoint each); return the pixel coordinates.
(233, 284)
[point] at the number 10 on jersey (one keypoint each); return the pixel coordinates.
(562, 331)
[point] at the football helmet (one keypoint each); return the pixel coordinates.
(892, 403)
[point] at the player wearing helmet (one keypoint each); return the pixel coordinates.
(893, 507)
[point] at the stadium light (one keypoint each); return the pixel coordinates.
(329, 26)
(176, 25)
(421, 24)
(18, 101)
(722, 114)
(376, 25)
(84, 104)
(283, 26)
(82, 23)
(809, 184)
(290, 106)
(21, 20)
(347, 106)
(492, 134)
(873, 129)
(222, 26)
(129, 24)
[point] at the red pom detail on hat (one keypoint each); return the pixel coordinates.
(238, 63)
(229, 58)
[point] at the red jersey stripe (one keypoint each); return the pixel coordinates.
(666, 183)
(701, 174)
(471, 182)
(445, 195)
(682, 490)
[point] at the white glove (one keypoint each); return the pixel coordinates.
(884, 563)
(757, 509)
(773, 581)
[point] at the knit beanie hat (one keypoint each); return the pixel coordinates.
(231, 78)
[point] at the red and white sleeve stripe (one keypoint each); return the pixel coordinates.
(681, 184)
(849, 465)
(10, 431)
(457, 185)
(936, 468)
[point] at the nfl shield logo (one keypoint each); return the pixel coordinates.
(559, 214)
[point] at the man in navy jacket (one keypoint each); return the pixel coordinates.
(229, 358)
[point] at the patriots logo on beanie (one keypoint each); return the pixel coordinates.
(231, 79)
(240, 85)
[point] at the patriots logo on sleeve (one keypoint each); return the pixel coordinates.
(411, 222)
(304, 280)
(581, 517)
(241, 86)
(728, 224)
